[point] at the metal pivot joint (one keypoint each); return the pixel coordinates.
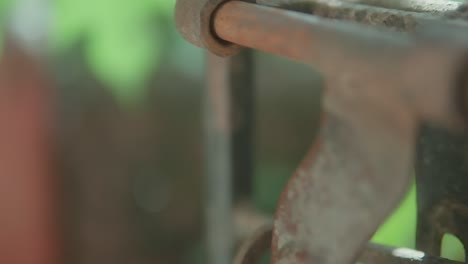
(194, 19)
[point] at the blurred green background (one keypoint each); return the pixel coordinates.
(131, 51)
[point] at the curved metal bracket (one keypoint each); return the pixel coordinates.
(351, 180)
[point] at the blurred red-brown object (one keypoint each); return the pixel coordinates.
(28, 202)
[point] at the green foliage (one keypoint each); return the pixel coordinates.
(400, 229)
(452, 248)
(123, 39)
(4, 7)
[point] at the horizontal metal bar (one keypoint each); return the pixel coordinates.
(416, 6)
(305, 37)
(298, 36)
(413, 5)
(406, 16)
(370, 54)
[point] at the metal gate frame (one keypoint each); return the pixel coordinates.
(395, 77)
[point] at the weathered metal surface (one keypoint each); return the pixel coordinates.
(338, 48)
(441, 163)
(194, 21)
(377, 96)
(413, 5)
(375, 12)
(399, 18)
(194, 18)
(441, 171)
(407, 5)
(349, 182)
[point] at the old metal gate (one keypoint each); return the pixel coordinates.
(395, 99)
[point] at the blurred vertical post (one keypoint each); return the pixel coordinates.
(228, 138)
(28, 201)
(242, 94)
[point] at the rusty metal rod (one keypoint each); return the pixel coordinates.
(420, 6)
(400, 18)
(218, 136)
(229, 124)
(376, 12)
(307, 38)
(371, 54)
(293, 35)
(218, 160)
(412, 5)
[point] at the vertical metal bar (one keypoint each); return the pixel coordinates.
(218, 159)
(243, 120)
(228, 128)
